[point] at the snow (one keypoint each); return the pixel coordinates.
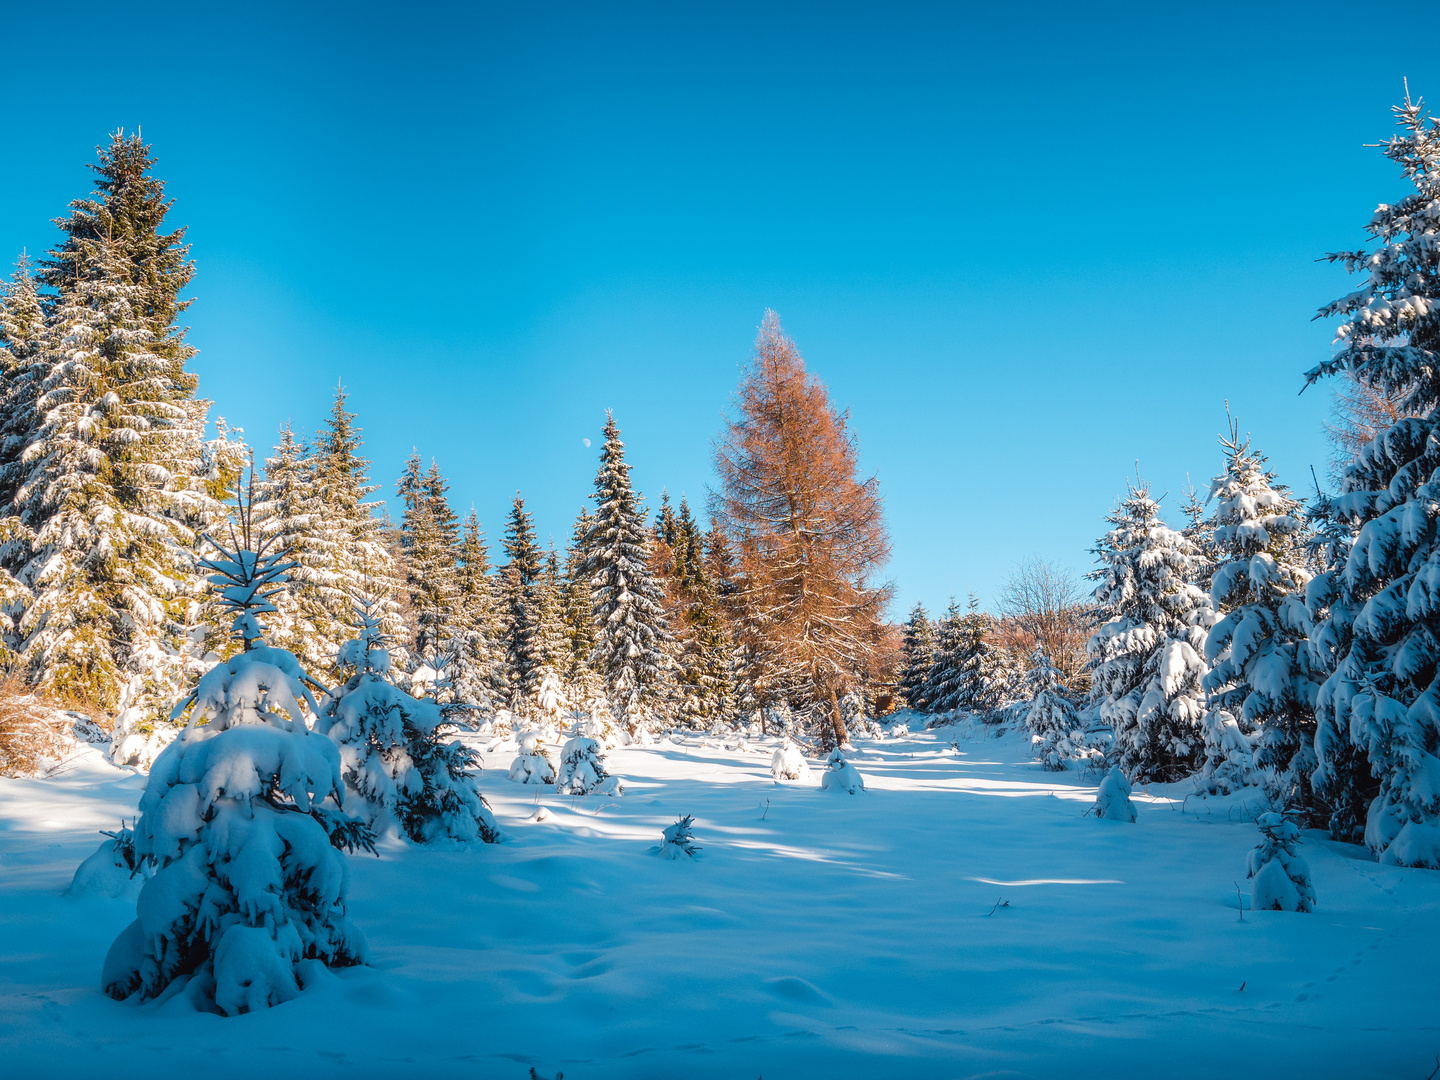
(817, 937)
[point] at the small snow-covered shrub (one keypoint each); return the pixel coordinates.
(678, 841)
(840, 775)
(113, 870)
(582, 770)
(32, 731)
(1279, 877)
(532, 765)
(788, 763)
(396, 756)
(1112, 801)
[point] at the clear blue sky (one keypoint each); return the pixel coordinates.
(1024, 247)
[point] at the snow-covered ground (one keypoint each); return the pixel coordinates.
(817, 935)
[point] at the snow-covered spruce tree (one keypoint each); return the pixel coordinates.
(1146, 659)
(351, 549)
(477, 669)
(632, 640)
(1383, 605)
(704, 648)
(1112, 799)
(429, 543)
(919, 645)
(249, 888)
(963, 668)
(23, 347)
(1055, 730)
(111, 480)
(941, 688)
(394, 746)
(677, 841)
(286, 515)
(520, 591)
(1279, 876)
(1263, 682)
(582, 770)
(840, 775)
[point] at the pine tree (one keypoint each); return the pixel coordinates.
(351, 550)
(1381, 610)
(918, 645)
(632, 640)
(429, 542)
(1145, 659)
(478, 667)
(1055, 729)
(1263, 681)
(520, 587)
(113, 480)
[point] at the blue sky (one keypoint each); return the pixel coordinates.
(1024, 249)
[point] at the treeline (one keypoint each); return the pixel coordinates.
(109, 489)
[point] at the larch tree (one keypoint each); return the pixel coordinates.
(633, 643)
(808, 531)
(1378, 712)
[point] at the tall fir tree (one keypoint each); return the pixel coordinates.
(705, 648)
(429, 543)
(1146, 659)
(1263, 681)
(520, 588)
(115, 479)
(579, 619)
(286, 516)
(1378, 712)
(479, 676)
(632, 640)
(23, 350)
(918, 647)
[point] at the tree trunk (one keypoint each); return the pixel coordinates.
(842, 738)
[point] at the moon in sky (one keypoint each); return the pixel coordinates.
(585, 441)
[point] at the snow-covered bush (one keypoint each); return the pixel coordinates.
(532, 765)
(1263, 684)
(113, 870)
(1145, 660)
(1112, 801)
(840, 775)
(393, 745)
(788, 763)
(1055, 729)
(582, 770)
(678, 841)
(1279, 878)
(248, 882)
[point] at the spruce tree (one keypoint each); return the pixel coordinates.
(918, 646)
(112, 481)
(1378, 613)
(520, 587)
(285, 515)
(479, 669)
(23, 344)
(579, 619)
(705, 649)
(1146, 662)
(1263, 682)
(942, 688)
(632, 640)
(429, 542)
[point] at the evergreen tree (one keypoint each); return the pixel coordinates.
(429, 542)
(23, 349)
(1055, 730)
(579, 620)
(918, 645)
(632, 640)
(113, 480)
(351, 550)
(521, 588)
(286, 515)
(1145, 659)
(1263, 681)
(478, 667)
(942, 687)
(1381, 608)
(705, 682)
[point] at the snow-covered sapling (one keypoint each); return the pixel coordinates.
(113, 870)
(1112, 801)
(1279, 878)
(532, 765)
(395, 749)
(788, 763)
(248, 884)
(582, 770)
(1055, 730)
(840, 775)
(678, 841)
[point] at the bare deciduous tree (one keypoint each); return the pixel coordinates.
(1359, 413)
(808, 534)
(1046, 603)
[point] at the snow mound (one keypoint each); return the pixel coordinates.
(789, 763)
(1112, 801)
(840, 775)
